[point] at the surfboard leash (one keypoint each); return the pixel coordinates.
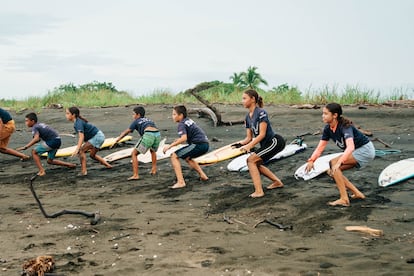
(385, 152)
(96, 216)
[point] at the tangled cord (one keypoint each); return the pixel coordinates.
(95, 216)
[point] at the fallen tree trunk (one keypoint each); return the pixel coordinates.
(205, 111)
(211, 111)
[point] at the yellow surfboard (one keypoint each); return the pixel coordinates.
(221, 154)
(64, 152)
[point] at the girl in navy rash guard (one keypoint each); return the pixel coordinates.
(259, 131)
(90, 139)
(358, 151)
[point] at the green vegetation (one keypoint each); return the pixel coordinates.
(249, 79)
(105, 94)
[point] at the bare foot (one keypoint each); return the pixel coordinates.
(133, 178)
(177, 186)
(358, 196)
(275, 185)
(204, 178)
(339, 202)
(255, 195)
(108, 166)
(41, 173)
(153, 172)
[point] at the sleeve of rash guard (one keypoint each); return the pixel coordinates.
(318, 151)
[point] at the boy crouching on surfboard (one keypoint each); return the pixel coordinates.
(197, 141)
(51, 143)
(150, 140)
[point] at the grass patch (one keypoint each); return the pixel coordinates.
(105, 94)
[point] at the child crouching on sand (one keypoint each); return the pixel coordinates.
(258, 126)
(150, 140)
(90, 139)
(197, 141)
(358, 151)
(50, 144)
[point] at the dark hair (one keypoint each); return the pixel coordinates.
(253, 94)
(75, 111)
(180, 109)
(337, 108)
(32, 116)
(139, 110)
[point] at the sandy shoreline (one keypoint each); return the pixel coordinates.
(148, 229)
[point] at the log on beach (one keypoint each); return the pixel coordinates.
(365, 229)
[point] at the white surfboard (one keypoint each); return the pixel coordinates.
(125, 153)
(146, 158)
(143, 158)
(320, 166)
(118, 155)
(240, 163)
(397, 172)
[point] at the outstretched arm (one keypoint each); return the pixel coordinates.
(316, 153)
(253, 142)
(80, 142)
(36, 138)
(245, 141)
(178, 141)
(122, 135)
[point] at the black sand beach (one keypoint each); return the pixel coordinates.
(209, 228)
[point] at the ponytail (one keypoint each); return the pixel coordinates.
(253, 94)
(260, 101)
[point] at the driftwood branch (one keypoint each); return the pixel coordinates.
(205, 110)
(211, 110)
(382, 142)
(365, 229)
(364, 131)
(95, 216)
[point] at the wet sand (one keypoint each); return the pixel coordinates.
(208, 228)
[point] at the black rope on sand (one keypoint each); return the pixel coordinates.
(96, 216)
(278, 225)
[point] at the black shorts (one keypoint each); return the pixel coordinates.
(277, 144)
(192, 150)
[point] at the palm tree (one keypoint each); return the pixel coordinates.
(251, 78)
(237, 79)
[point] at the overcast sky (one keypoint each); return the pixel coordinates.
(142, 46)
